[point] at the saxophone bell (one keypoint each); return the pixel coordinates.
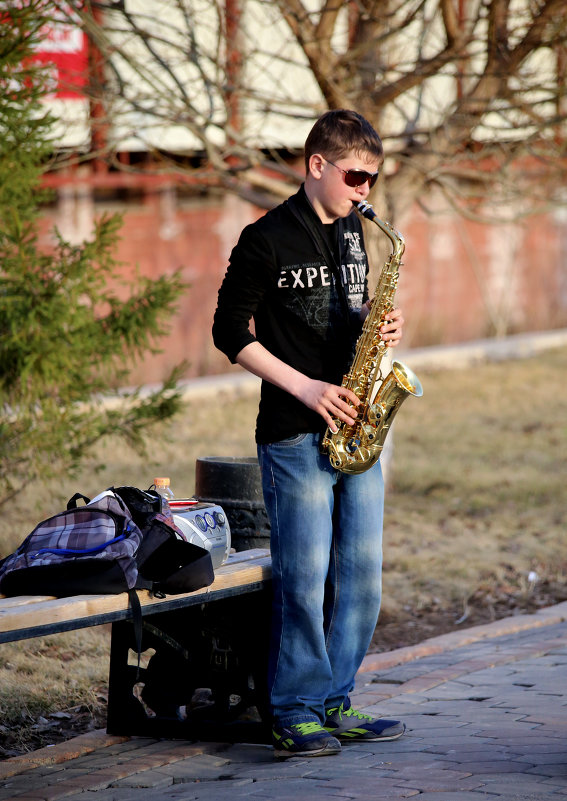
(407, 379)
(354, 449)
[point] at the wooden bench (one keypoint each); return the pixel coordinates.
(203, 653)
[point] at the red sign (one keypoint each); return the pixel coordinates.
(64, 47)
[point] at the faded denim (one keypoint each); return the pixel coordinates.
(326, 544)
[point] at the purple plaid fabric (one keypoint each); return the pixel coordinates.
(103, 529)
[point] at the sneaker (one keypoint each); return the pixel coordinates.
(303, 740)
(349, 725)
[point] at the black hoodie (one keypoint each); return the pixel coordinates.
(282, 273)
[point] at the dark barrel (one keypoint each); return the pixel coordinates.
(234, 483)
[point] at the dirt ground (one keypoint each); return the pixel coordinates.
(402, 629)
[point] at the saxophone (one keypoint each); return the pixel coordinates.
(355, 448)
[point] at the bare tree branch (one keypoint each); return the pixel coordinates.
(469, 95)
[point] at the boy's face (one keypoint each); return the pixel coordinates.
(327, 189)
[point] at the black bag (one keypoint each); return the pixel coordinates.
(123, 539)
(167, 563)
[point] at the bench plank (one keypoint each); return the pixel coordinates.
(25, 616)
(22, 600)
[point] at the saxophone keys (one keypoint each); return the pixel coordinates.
(352, 445)
(369, 433)
(375, 414)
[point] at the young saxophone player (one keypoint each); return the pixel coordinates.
(301, 273)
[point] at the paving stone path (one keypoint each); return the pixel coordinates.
(486, 717)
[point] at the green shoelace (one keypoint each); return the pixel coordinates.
(311, 727)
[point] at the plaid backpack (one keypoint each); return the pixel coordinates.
(121, 540)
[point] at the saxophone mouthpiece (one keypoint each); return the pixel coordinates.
(365, 209)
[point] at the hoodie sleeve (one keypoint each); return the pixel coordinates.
(250, 274)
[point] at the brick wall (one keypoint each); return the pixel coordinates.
(460, 280)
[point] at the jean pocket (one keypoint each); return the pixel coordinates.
(289, 442)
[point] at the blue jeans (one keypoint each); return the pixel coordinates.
(326, 544)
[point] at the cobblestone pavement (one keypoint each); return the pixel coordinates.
(486, 717)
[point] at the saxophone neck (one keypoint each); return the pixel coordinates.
(397, 240)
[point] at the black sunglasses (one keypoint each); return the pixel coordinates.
(357, 177)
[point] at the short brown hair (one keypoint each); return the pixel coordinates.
(339, 132)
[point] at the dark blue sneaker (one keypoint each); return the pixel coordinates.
(350, 725)
(303, 740)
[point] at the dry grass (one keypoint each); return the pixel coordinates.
(477, 503)
(479, 495)
(51, 687)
